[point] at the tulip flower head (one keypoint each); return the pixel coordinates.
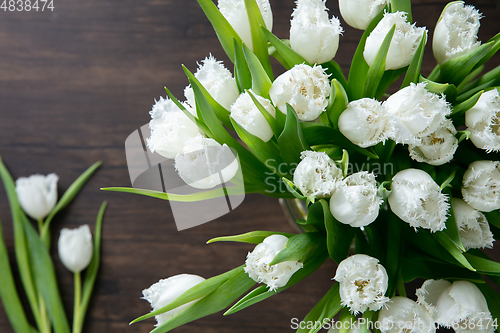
(402, 314)
(305, 88)
(168, 290)
(316, 175)
(75, 248)
(356, 201)
(363, 283)
(428, 294)
(258, 263)
(217, 80)
(481, 185)
(417, 200)
(483, 122)
(247, 115)
(359, 13)
(455, 34)
(404, 43)
(312, 34)
(473, 226)
(236, 14)
(37, 194)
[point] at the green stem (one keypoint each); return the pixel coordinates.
(401, 286)
(77, 324)
(44, 318)
(40, 226)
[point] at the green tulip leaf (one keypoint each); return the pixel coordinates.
(254, 237)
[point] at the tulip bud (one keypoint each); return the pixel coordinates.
(312, 34)
(168, 290)
(170, 128)
(416, 113)
(37, 194)
(473, 226)
(404, 43)
(217, 80)
(305, 88)
(365, 122)
(75, 248)
(356, 201)
(205, 163)
(417, 200)
(235, 13)
(456, 32)
(402, 314)
(483, 122)
(363, 283)
(258, 268)
(436, 148)
(247, 115)
(481, 185)
(316, 175)
(359, 13)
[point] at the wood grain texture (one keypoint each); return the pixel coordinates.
(74, 83)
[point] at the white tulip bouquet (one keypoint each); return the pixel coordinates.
(325, 137)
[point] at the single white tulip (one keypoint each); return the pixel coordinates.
(170, 128)
(75, 248)
(247, 115)
(481, 185)
(312, 34)
(417, 200)
(168, 290)
(305, 88)
(236, 14)
(316, 175)
(456, 32)
(404, 43)
(483, 122)
(217, 80)
(428, 294)
(37, 194)
(258, 268)
(205, 163)
(356, 201)
(359, 13)
(365, 122)
(416, 113)
(438, 147)
(363, 283)
(473, 226)
(402, 314)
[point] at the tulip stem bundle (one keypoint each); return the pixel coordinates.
(36, 196)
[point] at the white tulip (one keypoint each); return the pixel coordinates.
(316, 175)
(428, 294)
(359, 13)
(481, 185)
(473, 226)
(37, 194)
(258, 268)
(404, 43)
(247, 115)
(417, 200)
(205, 163)
(170, 128)
(305, 88)
(456, 32)
(235, 13)
(217, 80)
(483, 122)
(312, 34)
(365, 122)
(168, 290)
(75, 248)
(402, 314)
(416, 113)
(438, 147)
(356, 201)
(363, 283)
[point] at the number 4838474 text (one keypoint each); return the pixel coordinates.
(27, 5)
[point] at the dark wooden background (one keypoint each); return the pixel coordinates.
(75, 82)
